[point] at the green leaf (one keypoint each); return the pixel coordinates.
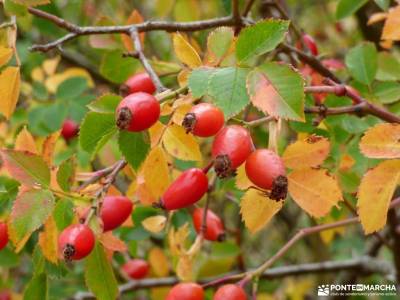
(26, 167)
(277, 90)
(117, 68)
(8, 259)
(346, 8)
(71, 88)
(29, 212)
(99, 275)
(37, 288)
(387, 92)
(260, 38)
(362, 62)
(66, 174)
(96, 130)
(383, 4)
(227, 87)
(134, 147)
(63, 213)
(199, 80)
(105, 104)
(219, 42)
(388, 67)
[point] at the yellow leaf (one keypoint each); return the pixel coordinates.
(328, 235)
(156, 131)
(180, 144)
(112, 243)
(50, 65)
(9, 90)
(185, 52)
(310, 152)
(5, 55)
(177, 239)
(257, 209)
(154, 224)
(159, 262)
(241, 179)
(37, 74)
(346, 162)
(184, 268)
(134, 18)
(155, 172)
(376, 18)
(48, 147)
(32, 2)
(180, 113)
(48, 240)
(314, 191)
(183, 77)
(25, 141)
(54, 81)
(381, 141)
(391, 29)
(375, 193)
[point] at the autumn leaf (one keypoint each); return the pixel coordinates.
(134, 18)
(50, 65)
(154, 224)
(54, 81)
(391, 29)
(241, 180)
(9, 90)
(48, 240)
(112, 243)
(5, 55)
(315, 191)
(177, 239)
(185, 52)
(375, 193)
(180, 144)
(159, 262)
(48, 147)
(25, 142)
(32, 2)
(310, 152)
(220, 42)
(381, 141)
(155, 172)
(257, 210)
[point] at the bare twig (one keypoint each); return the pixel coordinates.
(248, 7)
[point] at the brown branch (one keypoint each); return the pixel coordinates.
(248, 7)
(364, 265)
(149, 69)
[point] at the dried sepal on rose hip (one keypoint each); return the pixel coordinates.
(137, 112)
(231, 147)
(76, 242)
(186, 190)
(140, 82)
(114, 211)
(204, 120)
(266, 170)
(136, 268)
(214, 228)
(186, 291)
(231, 292)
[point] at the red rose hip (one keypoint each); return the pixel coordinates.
(186, 291)
(136, 268)
(140, 82)
(186, 190)
(69, 129)
(310, 43)
(114, 211)
(76, 241)
(231, 292)
(214, 226)
(204, 120)
(231, 147)
(3, 235)
(137, 112)
(266, 170)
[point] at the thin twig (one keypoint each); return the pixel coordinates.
(248, 7)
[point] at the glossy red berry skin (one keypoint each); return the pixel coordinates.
(138, 112)
(69, 129)
(114, 211)
(136, 268)
(204, 120)
(76, 241)
(5, 295)
(186, 291)
(231, 292)
(311, 44)
(140, 82)
(214, 226)
(263, 166)
(186, 190)
(3, 235)
(231, 147)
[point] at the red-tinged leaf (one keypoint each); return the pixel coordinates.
(112, 243)
(134, 18)
(30, 210)
(28, 168)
